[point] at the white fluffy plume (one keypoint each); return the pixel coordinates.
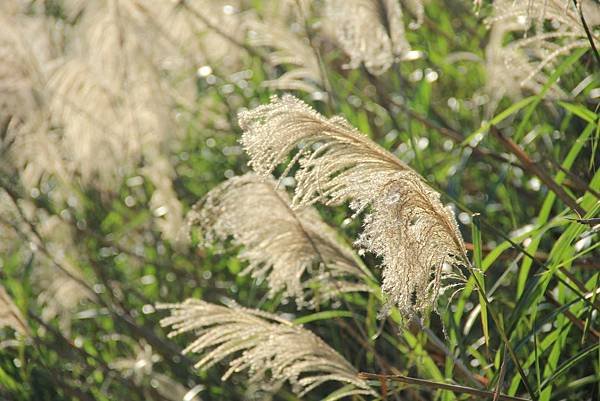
(289, 50)
(271, 349)
(293, 250)
(527, 40)
(93, 109)
(408, 227)
(369, 31)
(10, 315)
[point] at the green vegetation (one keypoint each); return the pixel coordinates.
(116, 117)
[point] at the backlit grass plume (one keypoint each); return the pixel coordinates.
(408, 226)
(93, 109)
(369, 31)
(60, 295)
(527, 40)
(10, 315)
(288, 50)
(272, 350)
(293, 250)
(140, 366)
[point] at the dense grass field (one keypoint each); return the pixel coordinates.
(314, 199)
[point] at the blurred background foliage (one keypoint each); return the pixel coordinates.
(85, 261)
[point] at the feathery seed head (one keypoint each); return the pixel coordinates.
(288, 49)
(271, 349)
(408, 226)
(541, 31)
(294, 250)
(369, 31)
(10, 315)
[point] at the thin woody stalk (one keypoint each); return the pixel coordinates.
(441, 386)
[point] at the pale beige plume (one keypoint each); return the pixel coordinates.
(408, 227)
(10, 315)
(273, 350)
(527, 41)
(371, 32)
(293, 250)
(289, 50)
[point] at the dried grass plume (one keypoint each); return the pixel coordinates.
(408, 227)
(10, 316)
(289, 50)
(293, 250)
(527, 39)
(369, 31)
(271, 349)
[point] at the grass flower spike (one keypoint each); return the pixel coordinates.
(294, 250)
(408, 227)
(273, 350)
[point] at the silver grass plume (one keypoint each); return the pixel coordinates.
(140, 367)
(187, 40)
(60, 295)
(10, 316)
(369, 31)
(77, 125)
(293, 250)
(417, 9)
(544, 30)
(27, 141)
(273, 350)
(291, 50)
(416, 236)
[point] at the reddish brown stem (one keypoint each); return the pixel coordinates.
(577, 322)
(440, 386)
(533, 168)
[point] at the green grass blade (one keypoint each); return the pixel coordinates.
(324, 315)
(580, 111)
(478, 261)
(569, 61)
(521, 104)
(566, 365)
